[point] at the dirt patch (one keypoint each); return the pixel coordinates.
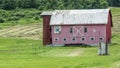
(76, 52)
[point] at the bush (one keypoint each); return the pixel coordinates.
(104, 4)
(2, 20)
(30, 14)
(19, 14)
(36, 17)
(14, 18)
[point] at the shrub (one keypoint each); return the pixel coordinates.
(14, 18)
(36, 17)
(2, 20)
(19, 14)
(30, 14)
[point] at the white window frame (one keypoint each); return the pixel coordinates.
(91, 38)
(102, 38)
(84, 39)
(73, 40)
(56, 38)
(57, 28)
(64, 40)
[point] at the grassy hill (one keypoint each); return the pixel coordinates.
(21, 47)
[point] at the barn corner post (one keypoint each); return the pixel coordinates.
(46, 28)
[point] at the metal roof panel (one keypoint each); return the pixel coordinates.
(73, 17)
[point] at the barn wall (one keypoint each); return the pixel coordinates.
(108, 30)
(100, 32)
(46, 30)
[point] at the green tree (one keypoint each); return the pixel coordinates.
(43, 5)
(115, 3)
(1, 4)
(104, 4)
(61, 5)
(34, 4)
(96, 4)
(9, 4)
(56, 4)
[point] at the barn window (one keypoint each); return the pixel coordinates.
(57, 29)
(83, 38)
(101, 39)
(56, 39)
(73, 39)
(64, 39)
(85, 29)
(71, 30)
(92, 38)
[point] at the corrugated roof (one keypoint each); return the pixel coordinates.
(72, 17)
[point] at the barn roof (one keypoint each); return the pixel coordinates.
(73, 17)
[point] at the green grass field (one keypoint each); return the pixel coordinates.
(25, 53)
(17, 52)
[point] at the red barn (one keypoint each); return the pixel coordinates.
(89, 27)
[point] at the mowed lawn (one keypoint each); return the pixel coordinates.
(18, 52)
(25, 53)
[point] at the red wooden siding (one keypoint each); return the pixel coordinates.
(100, 32)
(46, 30)
(108, 29)
(98, 26)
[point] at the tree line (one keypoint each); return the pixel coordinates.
(57, 4)
(115, 3)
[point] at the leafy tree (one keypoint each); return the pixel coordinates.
(9, 4)
(114, 3)
(1, 4)
(104, 4)
(55, 4)
(60, 5)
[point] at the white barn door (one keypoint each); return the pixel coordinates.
(78, 31)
